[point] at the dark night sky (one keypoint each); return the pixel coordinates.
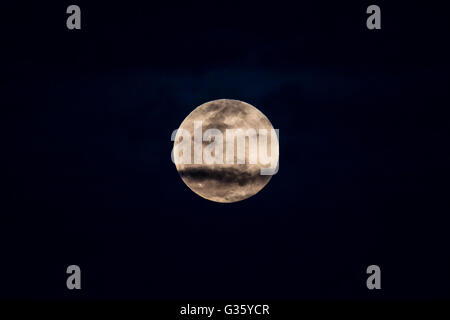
(86, 123)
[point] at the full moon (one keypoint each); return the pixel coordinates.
(227, 181)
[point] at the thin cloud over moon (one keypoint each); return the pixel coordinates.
(226, 182)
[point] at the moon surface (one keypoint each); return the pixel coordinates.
(225, 182)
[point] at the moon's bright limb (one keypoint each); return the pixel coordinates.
(226, 182)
